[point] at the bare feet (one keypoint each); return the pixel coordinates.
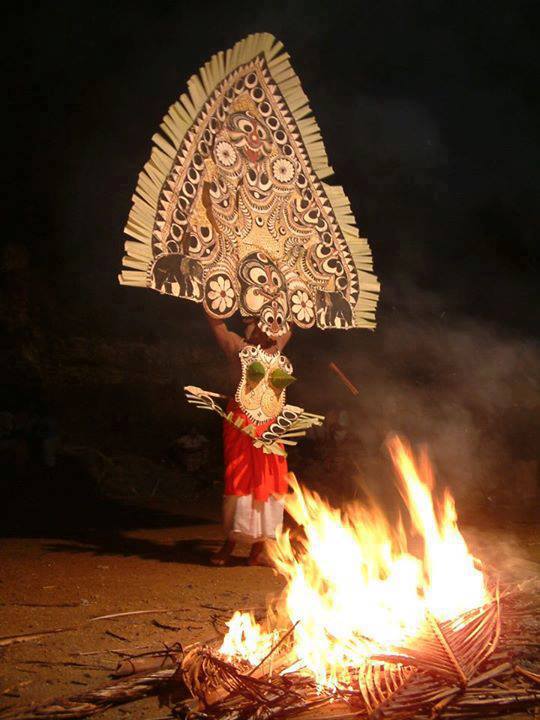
(222, 556)
(259, 555)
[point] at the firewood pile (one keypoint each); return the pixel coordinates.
(484, 663)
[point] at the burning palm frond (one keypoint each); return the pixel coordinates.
(452, 650)
(462, 668)
(376, 631)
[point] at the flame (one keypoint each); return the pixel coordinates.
(353, 589)
(245, 639)
(452, 585)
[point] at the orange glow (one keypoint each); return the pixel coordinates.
(353, 587)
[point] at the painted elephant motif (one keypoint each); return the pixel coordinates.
(176, 274)
(333, 310)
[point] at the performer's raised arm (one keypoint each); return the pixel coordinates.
(230, 342)
(282, 340)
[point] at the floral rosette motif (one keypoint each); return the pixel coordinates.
(220, 297)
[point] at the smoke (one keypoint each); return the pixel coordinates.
(464, 388)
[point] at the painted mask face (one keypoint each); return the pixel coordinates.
(263, 293)
(261, 392)
(249, 135)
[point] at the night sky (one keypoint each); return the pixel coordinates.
(430, 114)
(429, 110)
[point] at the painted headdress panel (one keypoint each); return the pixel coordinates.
(232, 209)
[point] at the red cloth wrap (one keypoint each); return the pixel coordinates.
(249, 470)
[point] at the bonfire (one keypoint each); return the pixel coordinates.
(365, 628)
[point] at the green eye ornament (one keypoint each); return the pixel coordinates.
(281, 379)
(255, 372)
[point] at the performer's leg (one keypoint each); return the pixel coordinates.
(229, 508)
(270, 513)
(223, 555)
(259, 555)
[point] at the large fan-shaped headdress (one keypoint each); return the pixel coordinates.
(232, 209)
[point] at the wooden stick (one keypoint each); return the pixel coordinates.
(28, 637)
(344, 379)
(145, 664)
(131, 612)
(94, 701)
(272, 651)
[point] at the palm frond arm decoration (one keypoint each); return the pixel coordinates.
(291, 423)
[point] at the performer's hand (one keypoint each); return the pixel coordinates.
(230, 342)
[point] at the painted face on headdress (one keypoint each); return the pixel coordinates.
(249, 135)
(261, 392)
(263, 293)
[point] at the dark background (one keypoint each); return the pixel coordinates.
(430, 114)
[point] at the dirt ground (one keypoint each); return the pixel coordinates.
(66, 583)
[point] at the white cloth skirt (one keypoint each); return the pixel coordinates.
(248, 520)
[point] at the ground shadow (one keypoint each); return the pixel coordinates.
(191, 551)
(78, 518)
(73, 517)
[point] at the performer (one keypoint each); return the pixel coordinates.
(255, 481)
(233, 210)
(256, 425)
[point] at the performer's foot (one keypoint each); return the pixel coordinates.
(223, 556)
(259, 555)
